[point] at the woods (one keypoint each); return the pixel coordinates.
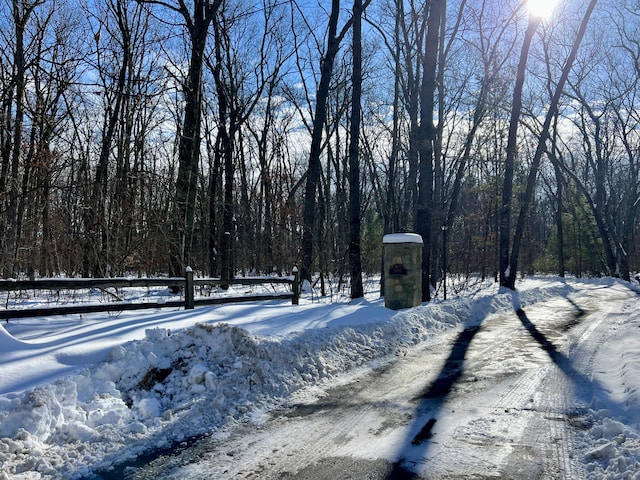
(138, 137)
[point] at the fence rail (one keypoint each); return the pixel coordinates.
(186, 283)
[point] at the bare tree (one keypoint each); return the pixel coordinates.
(239, 89)
(197, 21)
(334, 39)
(507, 277)
(54, 68)
(603, 165)
(541, 148)
(15, 102)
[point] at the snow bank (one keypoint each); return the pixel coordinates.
(613, 441)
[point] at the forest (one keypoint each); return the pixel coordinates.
(138, 137)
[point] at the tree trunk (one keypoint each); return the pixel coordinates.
(313, 171)
(355, 263)
(427, 138)
(225, 143)
(189, 148)
(558, 218)
(188, 158)
(215, 162)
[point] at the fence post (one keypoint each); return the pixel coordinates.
(295, 286)
(188, 289)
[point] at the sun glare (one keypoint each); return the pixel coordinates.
(541, 8)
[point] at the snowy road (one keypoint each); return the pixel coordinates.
(507, 399)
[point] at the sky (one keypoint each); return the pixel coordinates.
(81, 394)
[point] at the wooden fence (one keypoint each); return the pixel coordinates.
(186, 283)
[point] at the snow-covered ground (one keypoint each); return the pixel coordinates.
(81, 394)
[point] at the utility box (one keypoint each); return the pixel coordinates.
(402, 270)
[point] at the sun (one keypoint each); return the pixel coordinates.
(541, 8)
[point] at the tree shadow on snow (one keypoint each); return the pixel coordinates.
(431, 402)
(560, 359)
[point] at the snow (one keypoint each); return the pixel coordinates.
(79, 394)
(402, 238)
